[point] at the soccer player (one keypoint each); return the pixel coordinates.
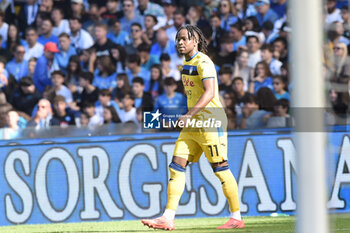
(200, 82)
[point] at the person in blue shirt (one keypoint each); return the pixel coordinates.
(133, 63)
(147, 59)
(279, 88)
(142, 99)
(264, 12)
(171, 104)
(262, 78)
(105, 76)
(117, 35)
(66, 51)
(18, 67)
(228, 14)
(237, 34)
(163, 45)
(46, 32)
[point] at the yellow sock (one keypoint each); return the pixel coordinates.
(229, 186)
(176, 185)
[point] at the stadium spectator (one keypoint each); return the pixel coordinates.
(265, 13)
(84, 119)
(105, 74)
(13, 38)
(195, 16)
(225, 56)
(346, 20)
(230, 105)
(179, 21)
(218, 32)
(241, 68)
(104, 100)
(163, 45)
(142, 99)
(147, 59)
(240, 94)
(265, 99)
(94, 17)
(60, 24)
(123, 87)
(228, 14)
(156, 86)
(225, 78)
(84, 57)
(267, 30)
(136, 38)
(254, 51)
(73, 71)
(61, 116)
(279, 7)
(89, 110)
(110, 115)
(237, 34)
(340, 69)
(280, 86)
(280, 117)
(128, 112)
(130, 15)
(262, 78)
(11, 129)
(209, 8)
(169, 9)
(116, 34)
(25, 97)
(336, 32)
(150, 34)
(7, 55)
(3, 27)
(252, 117)
(89, 92)
(102, 43)
(252, 28)
(4, 75)
(33, 47)
(135, 70)
(31, 66)
(280, 48)
(80, 38)
(18, 67)
(119, 57)
(43, 116)
(57, 79)
(333, 13)
(267, 56)
(112, 10)
(46, 6)
(27, 15)
(146, 7)
(66, 51)
(78, 10)
(171, 103)
(46, 32)
(45, 66)
(167, 70)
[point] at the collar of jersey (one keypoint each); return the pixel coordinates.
(192, 56)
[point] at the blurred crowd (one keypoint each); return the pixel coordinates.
(94, 62)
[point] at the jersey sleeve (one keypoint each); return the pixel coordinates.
(206, 69)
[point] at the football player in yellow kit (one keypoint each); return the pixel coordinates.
(200, 82)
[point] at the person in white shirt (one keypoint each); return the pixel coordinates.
(179, 21)
(128, 113)
(254, 51)
(3, 27)
(267, 56)
(80, 38)
(333, 13)
(33, 47)
(60, 24)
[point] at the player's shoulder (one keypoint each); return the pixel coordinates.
(204, 59)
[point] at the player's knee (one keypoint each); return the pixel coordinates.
(176, 167)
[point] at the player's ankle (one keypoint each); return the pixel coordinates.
(236, 215)
(169, 214)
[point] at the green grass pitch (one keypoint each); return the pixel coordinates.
(339, 223)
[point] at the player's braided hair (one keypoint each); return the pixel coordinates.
(192, 30)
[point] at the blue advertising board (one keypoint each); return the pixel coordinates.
(109, 178)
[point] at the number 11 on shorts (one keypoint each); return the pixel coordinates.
(211, 150)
